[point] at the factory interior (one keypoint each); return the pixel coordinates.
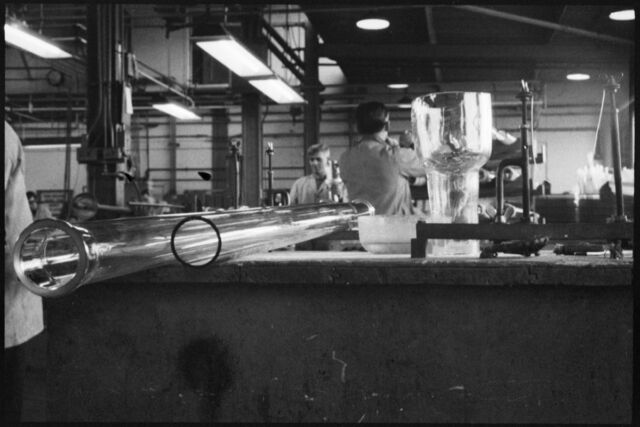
(184, 265)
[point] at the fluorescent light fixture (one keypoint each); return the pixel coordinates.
(397, 85)
(405, 102)
(578, 77)
(20, 37)
(277, 90)
(623, 15)
(372, 24)
(176, 110)
(233, 55)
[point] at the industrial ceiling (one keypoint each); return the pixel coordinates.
(426, 44)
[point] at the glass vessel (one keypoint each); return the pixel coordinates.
(452, 132)
(53, 257)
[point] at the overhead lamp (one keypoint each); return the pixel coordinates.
(234, 55)
(277, 90)
(623, 15)
(176, 110)
(405, 102)
(372, 24)
(397, 85)
(18, 36)
(578, 77)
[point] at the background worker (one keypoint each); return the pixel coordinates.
(378, 169)
(317, 186)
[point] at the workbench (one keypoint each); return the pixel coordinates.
(348, 337)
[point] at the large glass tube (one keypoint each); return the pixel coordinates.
(453, 135)
(53, 257)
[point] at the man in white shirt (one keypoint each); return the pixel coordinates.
(316, 187)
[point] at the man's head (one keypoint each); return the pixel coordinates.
(372, 117)
(33, 201)
(318, 155)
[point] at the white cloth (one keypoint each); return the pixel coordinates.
(378, 172)
(305, 190)
(22, 309)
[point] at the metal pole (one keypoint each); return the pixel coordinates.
(524, 96)
(612, 87)
(311, 93)
(270, 152)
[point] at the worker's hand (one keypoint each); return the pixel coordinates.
(392, 142)
(405, 140)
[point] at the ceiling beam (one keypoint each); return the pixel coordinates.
(545, 24)
(574, 54)
(554, 33)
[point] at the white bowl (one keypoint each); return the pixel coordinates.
(388, 234)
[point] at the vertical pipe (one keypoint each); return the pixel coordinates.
(311, 83)
(237, 194)
(524, 96)
(67, 151)
(173, 154)
(94, 90)
(270, 152)
(613, 87)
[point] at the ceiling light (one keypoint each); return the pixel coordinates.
(405, 102)
(397, 86)
(623, 15)
(577, 77)
(277, 90)
(22, 38)
(372, 24)
(176, 110)
(233, 55)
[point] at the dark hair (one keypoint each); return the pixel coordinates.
(317, 148)
(371, 117)
(31, 194)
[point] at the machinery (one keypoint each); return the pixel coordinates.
(527, 237)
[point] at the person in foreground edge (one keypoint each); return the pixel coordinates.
(23, 318)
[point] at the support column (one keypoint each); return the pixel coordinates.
(173, 156)
(99, 73)
(108, 130)
(219, 139)
(311, 93)
(251, 171)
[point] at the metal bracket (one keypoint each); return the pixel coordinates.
(524, 238)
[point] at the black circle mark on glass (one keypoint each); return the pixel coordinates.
(173, 236)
